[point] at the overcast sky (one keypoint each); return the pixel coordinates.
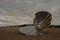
(15, 12)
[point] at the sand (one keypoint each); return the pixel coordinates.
(12, 33)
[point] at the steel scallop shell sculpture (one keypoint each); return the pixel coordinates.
(42, 20)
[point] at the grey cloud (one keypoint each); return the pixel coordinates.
(23, 8)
